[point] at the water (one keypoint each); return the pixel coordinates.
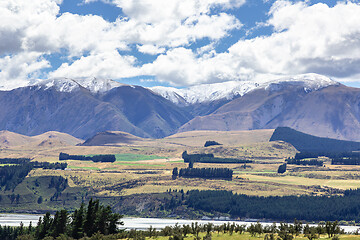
(16, 219)
(134, 223)
(159, 223)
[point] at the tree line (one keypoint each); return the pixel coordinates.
(346, 161)
(14, 160)
(12, 175)
(339, 158)
(86, 221)
(282, 231)
(312, 162)
(207, 173)
(316, 154)
(95, 158)
(48, 227)
(309, 208)
(209, 158)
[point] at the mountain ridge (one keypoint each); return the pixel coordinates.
(68, 107)
(205, 93)
(310, 103)
(332, 112)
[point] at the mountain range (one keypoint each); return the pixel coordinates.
(309, 103)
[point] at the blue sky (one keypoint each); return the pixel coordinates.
(179, 42)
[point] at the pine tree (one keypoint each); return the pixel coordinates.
(77, 224)
(90, 218)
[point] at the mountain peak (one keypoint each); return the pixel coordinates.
(94, 85)
(60, 84)
(97, 85)
(310, 81)
(231, 89)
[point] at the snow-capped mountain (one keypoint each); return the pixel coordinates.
(229, 90)
(60, 84)
(66, 105)
(94, 85)
(309, 103)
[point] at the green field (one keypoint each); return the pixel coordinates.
(87, 168)
(129, 157)
(139, 164)
(146, 168)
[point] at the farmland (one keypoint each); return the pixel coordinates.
(145, 167)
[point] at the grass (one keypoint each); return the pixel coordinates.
(86, 168)
(129, 157)
(139, 164)
(295, 180)
(162, 155)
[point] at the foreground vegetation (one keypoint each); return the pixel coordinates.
(310, 208)
(138, 183)
(87, 221)
(96, 222)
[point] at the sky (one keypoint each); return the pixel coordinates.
(178, 43)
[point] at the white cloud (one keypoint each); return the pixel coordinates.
(20, 68)
(80, 34)
(150, 49)
(152, 25)
(18, 19)
(180, 66)
(35, 28)
(157, 11)
(174, 23)
(102, 65)
(306, 38)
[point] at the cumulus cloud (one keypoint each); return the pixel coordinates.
(180, 66)
(21, 68)
(305, 38)
(35, 28)
(150, 49)
(157, 11)
(176, 23)
(30, 30)
(100, 65)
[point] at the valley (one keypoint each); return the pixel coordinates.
(140, 183)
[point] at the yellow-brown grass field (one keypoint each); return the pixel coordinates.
(140, 173)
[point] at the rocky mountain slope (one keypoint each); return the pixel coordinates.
(309, 103)
(332, 111)
(65, 105)
(205, 98)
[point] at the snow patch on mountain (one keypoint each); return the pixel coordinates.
(229, 90)
(94, 85)
(310, 82)
(60, 84)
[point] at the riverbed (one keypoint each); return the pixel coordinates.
(135, 223)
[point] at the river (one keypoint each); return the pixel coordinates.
(133, 223)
